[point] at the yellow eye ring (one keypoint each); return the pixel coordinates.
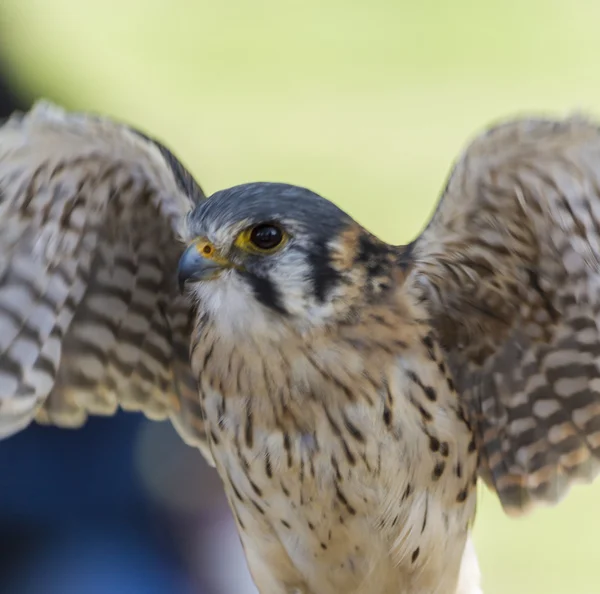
(264, 238)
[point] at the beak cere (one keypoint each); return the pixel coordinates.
(200, 262)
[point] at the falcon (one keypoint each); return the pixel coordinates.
(350, 393)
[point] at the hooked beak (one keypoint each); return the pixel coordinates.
(200, 262)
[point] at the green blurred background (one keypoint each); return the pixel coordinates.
(367, 103)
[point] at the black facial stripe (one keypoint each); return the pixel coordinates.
(374, 255)
(324, 276)
(265, 292)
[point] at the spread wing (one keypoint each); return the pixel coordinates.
(509, 269)
(90, 316)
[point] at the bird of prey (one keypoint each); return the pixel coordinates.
(350, 393)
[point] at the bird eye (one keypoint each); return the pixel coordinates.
(266, 236)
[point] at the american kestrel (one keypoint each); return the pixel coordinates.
(348, 392)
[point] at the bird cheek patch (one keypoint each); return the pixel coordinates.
(345, 248)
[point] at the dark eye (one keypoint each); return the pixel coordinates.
(266, 236)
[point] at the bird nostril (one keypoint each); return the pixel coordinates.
(205, 248)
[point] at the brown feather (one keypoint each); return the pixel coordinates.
(89, 311)
(508, 269)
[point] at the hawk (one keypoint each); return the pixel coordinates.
(350, 393)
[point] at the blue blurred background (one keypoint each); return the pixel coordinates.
(367, 103)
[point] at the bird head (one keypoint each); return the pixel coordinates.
(261, 253)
